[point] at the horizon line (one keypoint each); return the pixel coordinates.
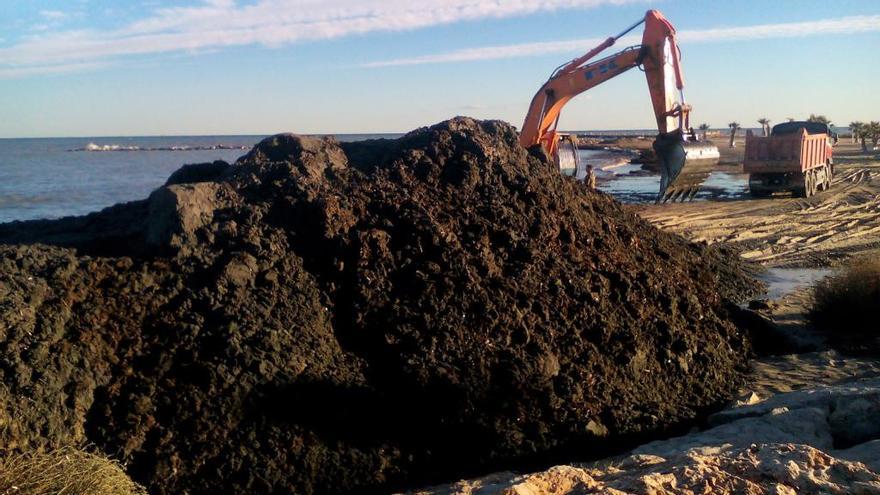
(647, 130)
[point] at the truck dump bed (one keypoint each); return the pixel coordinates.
(796, 152)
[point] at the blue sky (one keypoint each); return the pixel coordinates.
(154, 67)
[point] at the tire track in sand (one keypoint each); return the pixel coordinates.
(786, 231)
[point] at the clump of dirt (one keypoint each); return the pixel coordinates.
(323, 317)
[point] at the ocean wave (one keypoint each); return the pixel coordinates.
(119, 147)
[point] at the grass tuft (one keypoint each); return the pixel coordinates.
(847, 305)
(64, 471)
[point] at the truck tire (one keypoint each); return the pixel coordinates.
(759, 194)
(807, 190)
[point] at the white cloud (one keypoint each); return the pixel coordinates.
(841, 26)
(221, 23)
(15, 72)
(53, 15)
(500, 52)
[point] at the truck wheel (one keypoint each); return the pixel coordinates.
(814, 182)
(829, 171)
(808, 186)
(802, 192)
(759, 194)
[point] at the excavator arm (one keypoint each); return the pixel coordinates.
(546, 107)
(684, 162)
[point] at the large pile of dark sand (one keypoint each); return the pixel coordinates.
(325, 317)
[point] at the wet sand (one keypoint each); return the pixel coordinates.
(788, 231)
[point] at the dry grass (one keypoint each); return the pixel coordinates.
(64, 472)
(847, 305)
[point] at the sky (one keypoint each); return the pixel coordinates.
(204, 67)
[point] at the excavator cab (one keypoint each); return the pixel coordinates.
(567, 158)
(563, 150)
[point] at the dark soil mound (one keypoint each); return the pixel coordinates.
(325, 317)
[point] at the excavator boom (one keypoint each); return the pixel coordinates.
(685, 163)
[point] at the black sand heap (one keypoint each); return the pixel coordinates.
(325, 317)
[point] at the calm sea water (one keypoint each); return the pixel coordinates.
(57, 177)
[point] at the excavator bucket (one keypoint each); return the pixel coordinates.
(684, 166)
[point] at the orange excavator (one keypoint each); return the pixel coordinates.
(685, 162)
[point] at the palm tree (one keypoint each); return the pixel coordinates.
(862, 132)
(819, 118)
(874, 132)
(733, 128)
(705, 128)
(765, 125)
(854, 129)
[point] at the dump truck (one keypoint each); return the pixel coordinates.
(796, 157)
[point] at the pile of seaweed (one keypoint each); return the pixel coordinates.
(325, 317)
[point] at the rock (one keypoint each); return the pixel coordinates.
(787, 444)
(597, 428)
(867, 453)
(759, 305)
(178, 211)
(758, 469)
(748, 399)
(853, 420)
(312, 156)
(198, 172)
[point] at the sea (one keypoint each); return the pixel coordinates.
(47, 178)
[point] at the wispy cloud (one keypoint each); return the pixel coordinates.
(53, 15)
(840, 26)
(16, 72)
(216, 24)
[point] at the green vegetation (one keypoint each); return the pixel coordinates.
(734, 126)
(65, 471)
(864, 131)
(820, 119)
(846, 305)
(705, 130)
